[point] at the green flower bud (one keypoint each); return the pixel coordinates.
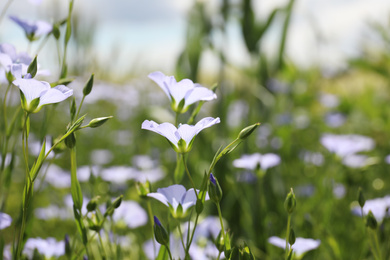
(361, 198)
(143, 189)
(199, 206)
(92, 204)
(33, 67)
(247, 131)
(246, 253)
(160, 233)
(215, 191)
(88, 87)
(70, 141)
(291, 237)
(96, 122)
(371, 221)
(290, 202)
(117, 202)
(220, 242)
(56, 31)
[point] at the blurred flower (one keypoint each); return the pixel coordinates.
(5, 220)
(358, 160)
(101, 156)
(183, 91)
(343, 145)
(48, 247)
(53, 212)
(181, 138)
(56, 176)
(131, 213)
(334, 119)
(329, 100)
(387, 159)
(300, 247)
(312, 158)
(237, 111)
(33, 30)
(32, 90)
(379, 207)
(35, 2)
(252, 161)
(84, 172)
(177, 198)
(339, 190)
(117, 174)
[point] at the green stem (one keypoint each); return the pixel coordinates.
(189, 175)
(5, 107)
(150, 212)
(104, 255)
(7, 5)
(81, 103)
(288, 234)
(181, 237)
(222, 227)
(169, 252)
(192, 235)
(376, 242)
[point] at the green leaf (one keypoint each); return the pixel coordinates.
(38, 163)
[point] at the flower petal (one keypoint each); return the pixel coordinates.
(167, 130)
(206, 122)
(5, 220)
(179, 90)
(43, 28)
(29, 28)
(163, 81)
(55, 95)
(199, 93)
(247, 161)
(32, 88)
(173, 193)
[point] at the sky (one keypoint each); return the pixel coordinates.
(151, 33)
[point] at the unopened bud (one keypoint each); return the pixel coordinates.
(33, 67)
(215, 191)
(117, 202)
(143, 189)
(290, 202)
(160, 232)
(199, 206)
(371, 221)
(92, 204)
(96, 122)
(247, 131)
(88, 87)
(70, 141)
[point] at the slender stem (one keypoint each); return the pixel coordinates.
(376, 242)
(176, 119)
(44, 41)
(288, 234)
(189, 175)
(150, 212)
(104, 255)
(181, 236)
(169, 252)
(5, 107)
(7, 5)
(219, 255)
(81, 103)
(220, 219)
(192, 235)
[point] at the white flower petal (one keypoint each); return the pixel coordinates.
(160, 197)
(206, 122)
(173, 195)
(301, 245)
(269, 160)
(5, 61)
(31, 88)
(188, 200)
(5, 220)
(131, 213)
(199, 93)
(180, 89)
(163, 81)
(43, 28)
(55, 95)
(167, 130)
(187, 132)
(248, 161)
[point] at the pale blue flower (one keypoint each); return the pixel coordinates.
(379, 207)
(33, 90)
(177, 198)
(343, 145)
(300, 247)
(184, 91)
(33, 30)
(181, 138)
(131, 213)
(5, 220)
(48, 247)
(252, 161)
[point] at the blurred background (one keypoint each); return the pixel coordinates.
(306, 70)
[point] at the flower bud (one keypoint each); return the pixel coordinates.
(96, 122)
(92, 204)
(160, 233)
(199, 206)
(291, 237)
(143, 189)
(88, 87)
(371, 221)
(215, 191)
(33, 68)
(290, 202)
(246, 253)
(70, 141)
(247, 131)
(361, 198)
(117, 202)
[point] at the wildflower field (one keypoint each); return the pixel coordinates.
(263, 159)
